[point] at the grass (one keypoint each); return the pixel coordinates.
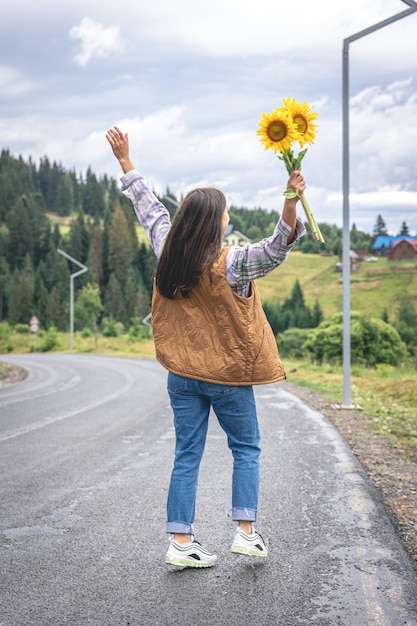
(18, 343)
(374, 286)
(386, 394)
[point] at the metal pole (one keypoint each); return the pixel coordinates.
(346, 209)
(346, 231)
(83, 269)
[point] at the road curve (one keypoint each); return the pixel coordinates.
(86, 446)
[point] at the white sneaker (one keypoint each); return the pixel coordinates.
(250, 545)
(191, 555)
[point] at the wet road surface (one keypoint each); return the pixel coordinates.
(86, 448)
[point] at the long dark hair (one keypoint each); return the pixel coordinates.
(193, 243)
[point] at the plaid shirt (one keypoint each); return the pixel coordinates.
(243, 263)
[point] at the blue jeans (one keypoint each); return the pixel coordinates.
(236, 411)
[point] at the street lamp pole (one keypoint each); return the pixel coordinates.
(83, 269)
(346, 209)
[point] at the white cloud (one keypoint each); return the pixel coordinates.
(385, 198)
(190, 93)
(231, 27)
(384, 137)
(95, 39)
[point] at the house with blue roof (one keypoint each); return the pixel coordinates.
(383, 244)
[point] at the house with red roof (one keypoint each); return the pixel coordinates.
(404, 250)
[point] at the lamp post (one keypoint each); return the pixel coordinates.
(83, 269)
(346, 220)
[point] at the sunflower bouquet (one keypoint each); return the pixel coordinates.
(293, 122)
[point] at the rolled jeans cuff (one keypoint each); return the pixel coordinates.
(244, 515)
(179, 527)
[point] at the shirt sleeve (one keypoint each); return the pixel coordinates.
(246, 263)
(151, 213)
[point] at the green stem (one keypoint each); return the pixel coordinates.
(311, 220)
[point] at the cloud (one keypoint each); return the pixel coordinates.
(384, 137)
(190, 93)
(95, 39)
(12, 84)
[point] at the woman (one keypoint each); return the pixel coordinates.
(212, 336)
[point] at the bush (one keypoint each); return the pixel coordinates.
(51, 340)
(291, 342)
(372, 341)
(111, 328)
(5, 330)
(86, 332)
(137, 330)
(22, 329)
(408, 335)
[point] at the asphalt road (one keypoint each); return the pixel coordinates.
(86, 447)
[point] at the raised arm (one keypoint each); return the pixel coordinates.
(297, 183)
(151, 213)
(119, 143)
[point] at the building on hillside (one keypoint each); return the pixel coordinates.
(354, 260)
(362, 253)
(383, 244)
(405, 250)
(233, 237)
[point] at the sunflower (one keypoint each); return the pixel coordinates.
(277, 130)
(302, 116)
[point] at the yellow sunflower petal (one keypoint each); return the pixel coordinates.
(303, 117)
(277, 130)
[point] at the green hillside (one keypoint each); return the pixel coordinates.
(374, 286)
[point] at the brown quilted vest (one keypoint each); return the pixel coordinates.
(215, 335)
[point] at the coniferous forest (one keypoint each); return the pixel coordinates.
(101, 233)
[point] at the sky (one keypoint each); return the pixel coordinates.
(188, 81)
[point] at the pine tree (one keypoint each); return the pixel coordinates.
(56, 274)
(130, 297)
(404, 229)
(143, 300)
(4, 288)
(145, 261)
(105, 247)
(121, 250)
(56, 237)
(317, 315)
(114, 299)
(296, 312)
(79, 238)
(21, 294)
(41, 302)
(95, 253)
(44, 178)
(40, 228)
(93, 201)
(380, 227)
(21, 242)
(64, 200)
(57, 313)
